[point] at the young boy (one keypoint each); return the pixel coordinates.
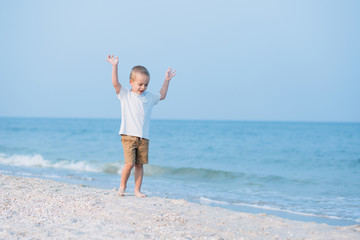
(136, 107)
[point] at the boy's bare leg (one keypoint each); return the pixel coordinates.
(139, 173)
(125, 174)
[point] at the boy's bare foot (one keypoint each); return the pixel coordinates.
(121, 192)
(139, 194)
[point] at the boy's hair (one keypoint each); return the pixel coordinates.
(139, 69)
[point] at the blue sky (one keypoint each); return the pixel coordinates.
(235, 60)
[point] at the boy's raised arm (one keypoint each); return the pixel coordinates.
(114, 61)
(170, 73)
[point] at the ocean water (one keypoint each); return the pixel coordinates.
(303, 171)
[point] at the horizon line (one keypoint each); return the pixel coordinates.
(188, 119)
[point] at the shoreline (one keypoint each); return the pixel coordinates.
(43, 208)
(245, 208)
(290, 215)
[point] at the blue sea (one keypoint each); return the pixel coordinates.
(298, 170)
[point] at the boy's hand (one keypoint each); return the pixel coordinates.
(114, 78)
(170, 73)
(112, 60)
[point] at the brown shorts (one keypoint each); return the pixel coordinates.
(135, 149)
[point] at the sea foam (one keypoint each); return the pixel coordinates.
(38, 160)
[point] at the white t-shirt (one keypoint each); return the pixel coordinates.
(136, 112)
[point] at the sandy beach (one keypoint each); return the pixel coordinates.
(33, 208)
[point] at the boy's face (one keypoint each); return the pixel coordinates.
(140, 83)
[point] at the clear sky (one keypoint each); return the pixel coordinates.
(235, 60)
